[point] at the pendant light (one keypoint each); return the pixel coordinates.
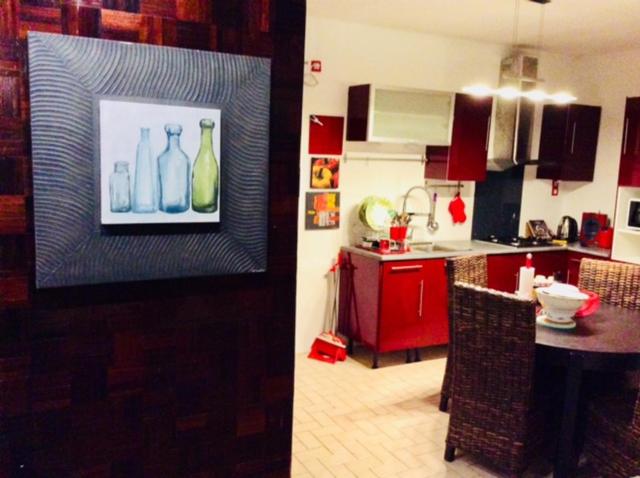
(511, 92)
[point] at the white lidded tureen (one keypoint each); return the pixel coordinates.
(560, 302)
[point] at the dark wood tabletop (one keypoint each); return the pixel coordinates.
(610, 330)
(609, 340)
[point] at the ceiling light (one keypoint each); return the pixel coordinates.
(563, 98)
(478, 90)
(523, 81)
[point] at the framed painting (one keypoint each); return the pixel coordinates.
(148, 162)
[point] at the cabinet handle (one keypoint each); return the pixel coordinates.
(486, 140)
(573, 137)
(626, 131)
(420, 303)
(568, 276)
(417, 267)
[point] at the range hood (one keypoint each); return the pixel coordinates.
(512, 120)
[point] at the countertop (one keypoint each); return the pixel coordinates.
(459, 248)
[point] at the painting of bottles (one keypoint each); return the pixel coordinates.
(159, 163)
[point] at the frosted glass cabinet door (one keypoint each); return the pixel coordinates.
(396, 115)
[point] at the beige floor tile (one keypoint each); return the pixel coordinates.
(352, 421)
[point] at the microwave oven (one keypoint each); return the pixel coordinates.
(633, 217)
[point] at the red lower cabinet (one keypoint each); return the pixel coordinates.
(573, 265)
(503, 269)
(394, 305)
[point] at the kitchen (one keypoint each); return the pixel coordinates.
(599, 73)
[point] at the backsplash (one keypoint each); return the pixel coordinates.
(497, 204)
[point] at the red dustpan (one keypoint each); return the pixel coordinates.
(328, 347)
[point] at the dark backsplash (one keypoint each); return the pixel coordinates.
(497, 204)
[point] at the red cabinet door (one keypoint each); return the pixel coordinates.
(629, 173)
(435, 320)
(503, 271)
(551, 264)
(402, 307)
(466, 158)
(573, 268)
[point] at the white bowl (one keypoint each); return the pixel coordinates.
(560, 301)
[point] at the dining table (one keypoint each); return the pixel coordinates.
(607, 340)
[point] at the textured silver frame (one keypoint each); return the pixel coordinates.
(67, 75)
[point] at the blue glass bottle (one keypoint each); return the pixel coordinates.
(120, 187)
(174, 170)
(145, 185)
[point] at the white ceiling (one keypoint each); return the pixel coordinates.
(569, 26)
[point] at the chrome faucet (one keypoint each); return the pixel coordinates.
(432, 224)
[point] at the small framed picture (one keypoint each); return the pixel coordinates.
(325, 173)
(322, 211)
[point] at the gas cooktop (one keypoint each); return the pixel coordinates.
(519, 241)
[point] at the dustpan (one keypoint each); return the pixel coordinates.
(328, 347)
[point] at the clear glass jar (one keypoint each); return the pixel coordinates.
(120, 187)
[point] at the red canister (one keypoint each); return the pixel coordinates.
(604, 238)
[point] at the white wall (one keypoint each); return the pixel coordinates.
(604, 80)
(355, 54)
(613, 77)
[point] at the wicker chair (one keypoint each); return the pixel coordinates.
(472, 270)
(492, 412)
(612, 443)
(616, 283)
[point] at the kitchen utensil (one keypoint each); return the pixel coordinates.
(456, 209)
(568, 229)
(432, 224)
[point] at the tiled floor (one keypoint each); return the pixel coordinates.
(352, 421)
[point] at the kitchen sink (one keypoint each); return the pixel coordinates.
(453, 246)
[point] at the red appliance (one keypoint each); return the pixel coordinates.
(592, 224)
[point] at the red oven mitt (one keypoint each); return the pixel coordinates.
(456, 208)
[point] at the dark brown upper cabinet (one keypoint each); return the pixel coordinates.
(466, 158)
(630, 155)
(568, 142)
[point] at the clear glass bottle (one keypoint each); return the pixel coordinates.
(174, 170)
(206, 174)
(145, 184)
(120, 187)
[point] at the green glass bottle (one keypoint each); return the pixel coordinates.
(206, 174)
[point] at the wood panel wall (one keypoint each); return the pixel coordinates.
(190, 377)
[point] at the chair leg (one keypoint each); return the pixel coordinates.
(449, 453)
(444, 402)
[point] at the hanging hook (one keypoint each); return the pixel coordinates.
(314, 119)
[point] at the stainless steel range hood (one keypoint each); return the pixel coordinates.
(512, 120)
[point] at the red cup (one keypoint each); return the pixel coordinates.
(604, 239)
(384, 245)
(398, 233)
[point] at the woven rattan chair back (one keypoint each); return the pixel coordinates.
(471, 270)
(493, 372)
(616, 283)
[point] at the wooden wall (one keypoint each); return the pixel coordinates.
(189, 377)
